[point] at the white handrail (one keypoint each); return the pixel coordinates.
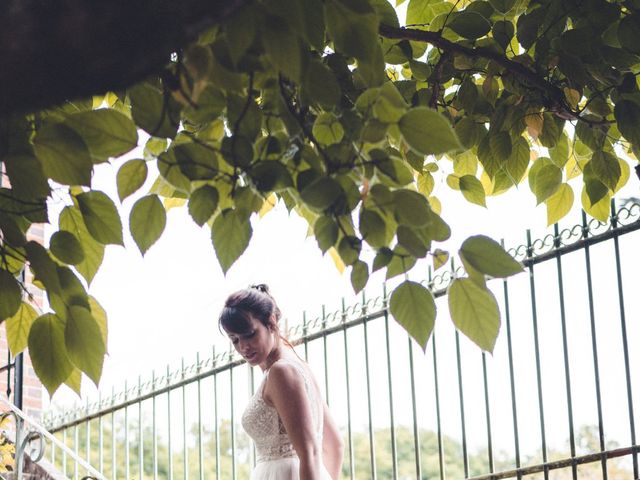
(42, 431)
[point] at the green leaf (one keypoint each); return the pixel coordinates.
(440, 258)
(470, 25)
(74, 381)
(327, 129)
(382, 259)
(599, 209)
(26, 176)
(203, 203)
(209, 106)
(72, 292)
(283, 47)
(66, 247)
(349, 249)
(437, 229)
(152, 112)
(428, 132)
(627, 114)
(353, 34)
(425, 183)
(467, 96)
(547, 181)
(48, 351)
(488, 257)
(606, 168)
(413, 241)
(240, 29)
(401, 262)
(71, 220)
(476, 276)
(195, 161)
(472, 190)
(501, 147)
(474, 312)
(100, 316)
(551, 130)
(322, 193)
(560, 153)
(31, 211)
(503, 31)
(237, 152)
(18, 326)
(373, 228)
(413, 307)
(411, 208)
(147, 221)
(131, 176)
(390, 105)
(244, 117)
(559, 204)
(230, 234)
(43, 267)
(85, 346)
(596, 190)
(518, 161)
(421, 12)
(502, 6)
(10, 294)
(326, 232)
(107, 132)
(64, 156)
(628, 32)
(13, 234)
(465, 163)
(198, 60)
(271, 175)
(313, 27)
(359, 275)
(100, 217)
(321, 85)
(398, 172)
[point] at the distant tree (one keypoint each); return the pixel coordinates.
(331, 107)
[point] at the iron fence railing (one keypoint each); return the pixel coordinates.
(27, 441)
(557, 399)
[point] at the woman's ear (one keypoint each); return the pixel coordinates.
(273, 323)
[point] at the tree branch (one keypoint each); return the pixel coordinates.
(65, 49)
(554, 96)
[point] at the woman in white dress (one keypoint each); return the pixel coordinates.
(290, 424)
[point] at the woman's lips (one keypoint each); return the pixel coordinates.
(250, 357)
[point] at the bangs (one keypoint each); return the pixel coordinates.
(235, 320)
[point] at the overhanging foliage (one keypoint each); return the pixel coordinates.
(328, 106)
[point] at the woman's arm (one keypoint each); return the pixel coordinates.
(285, 389)
(332, 445)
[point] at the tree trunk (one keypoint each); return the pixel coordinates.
(56, 50)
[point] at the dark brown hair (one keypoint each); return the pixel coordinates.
(255, 301)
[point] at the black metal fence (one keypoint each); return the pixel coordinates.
(557, 399)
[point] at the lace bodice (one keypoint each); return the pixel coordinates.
(263, 424)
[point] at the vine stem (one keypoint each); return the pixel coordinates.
(554, 94)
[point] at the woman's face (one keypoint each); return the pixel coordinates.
(255, 345)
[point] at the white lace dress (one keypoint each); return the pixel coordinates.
(276, 458)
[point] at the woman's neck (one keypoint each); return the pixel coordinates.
(276, 354)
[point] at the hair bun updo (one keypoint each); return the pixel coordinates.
(256, 301)
(261, 287)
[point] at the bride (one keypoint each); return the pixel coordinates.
(290, 424)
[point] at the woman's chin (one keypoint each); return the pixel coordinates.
(252, 360)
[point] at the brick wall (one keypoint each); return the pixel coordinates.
(32, 390)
